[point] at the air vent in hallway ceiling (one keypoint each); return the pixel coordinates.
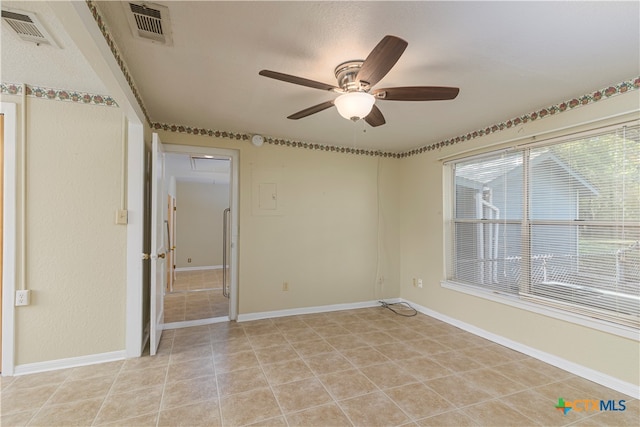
(210, 164)
(149, 21)
(27, 27)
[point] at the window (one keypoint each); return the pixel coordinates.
(555, 224)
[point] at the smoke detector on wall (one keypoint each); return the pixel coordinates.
(149, 21)
(28, 27)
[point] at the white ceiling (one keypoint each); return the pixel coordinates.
(507, 58)
(184, 167)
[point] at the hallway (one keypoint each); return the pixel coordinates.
(196, 295)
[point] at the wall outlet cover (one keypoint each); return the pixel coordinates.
(23, 297)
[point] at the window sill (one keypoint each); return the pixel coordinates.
(589, 322)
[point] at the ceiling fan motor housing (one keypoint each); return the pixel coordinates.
(347, 73)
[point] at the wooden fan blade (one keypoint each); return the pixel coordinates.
(375, 117)
(416, 93)
(298, 80)
(381, 59)
(311, 110)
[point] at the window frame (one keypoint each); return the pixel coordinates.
(520, 299)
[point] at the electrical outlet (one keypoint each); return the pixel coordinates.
(420, 283)
(189, 260)
(285, 286)
(23, 297)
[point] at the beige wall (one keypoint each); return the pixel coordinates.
(76, 261)
(324, 241)
(422, 257)
(199, 223)
(347, 221)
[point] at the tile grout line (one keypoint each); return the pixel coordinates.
(215, 373)
(260, 364)
(411, 419)
(164, 385)
(337, 401)
(35, 414)
(417, 381)
(106, 397)
(315, 375)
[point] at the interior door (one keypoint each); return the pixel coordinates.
(158, 246)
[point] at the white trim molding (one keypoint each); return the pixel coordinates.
(312, 310)
(9, 227)
(204, 267)
(72, 362)
(234, 189)
(580, 370)
(135, 334)
(190, 323)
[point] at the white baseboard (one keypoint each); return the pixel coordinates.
(311, 310)
(204, 267)
(199, 322)
(582, 371)
(72, 362)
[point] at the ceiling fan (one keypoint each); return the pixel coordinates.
(356, 79)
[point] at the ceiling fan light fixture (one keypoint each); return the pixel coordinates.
(354, 105)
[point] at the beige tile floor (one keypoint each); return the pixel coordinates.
(366, 367)
(196, 295)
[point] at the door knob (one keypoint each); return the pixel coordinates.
(162, 255)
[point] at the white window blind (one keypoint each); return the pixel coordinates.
(557, 225)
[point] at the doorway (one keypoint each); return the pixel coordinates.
(199, 229)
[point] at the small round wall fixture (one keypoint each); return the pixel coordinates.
(257, 140)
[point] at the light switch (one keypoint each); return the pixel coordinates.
(122, 217)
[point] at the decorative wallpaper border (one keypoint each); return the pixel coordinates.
(596, 96)
(116, 54)
(573, 103)
(59, 94)
(270, 140)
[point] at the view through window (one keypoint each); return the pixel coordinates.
(555, 224)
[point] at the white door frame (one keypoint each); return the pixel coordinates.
(234, 155)
(158, 239)
(9, 243)
(134, 339)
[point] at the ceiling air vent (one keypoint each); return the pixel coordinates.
(27, 27)
(209, 164)
(149, 21)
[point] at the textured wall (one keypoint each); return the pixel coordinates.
(199, 223)
(327, 239)
(75, 253)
